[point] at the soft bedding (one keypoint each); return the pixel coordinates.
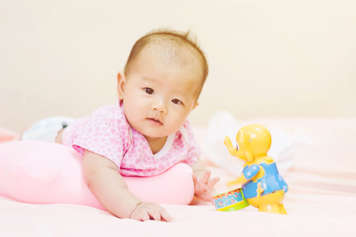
(321, 200)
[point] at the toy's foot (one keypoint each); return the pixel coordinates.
(273, 208)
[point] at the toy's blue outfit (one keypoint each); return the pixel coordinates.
(270, 182)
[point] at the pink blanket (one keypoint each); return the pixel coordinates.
(321, 200)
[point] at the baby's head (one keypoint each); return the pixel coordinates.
(169, 48)
(161, 83)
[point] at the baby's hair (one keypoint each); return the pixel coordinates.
(170, 35)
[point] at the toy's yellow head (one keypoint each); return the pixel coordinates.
(253, 141)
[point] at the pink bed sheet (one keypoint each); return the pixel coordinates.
(321, 200)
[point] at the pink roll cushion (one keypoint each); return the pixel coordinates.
(7, 135)
(41, 172)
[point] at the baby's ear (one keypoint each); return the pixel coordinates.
(120, 85)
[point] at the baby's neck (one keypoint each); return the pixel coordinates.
(156, 144)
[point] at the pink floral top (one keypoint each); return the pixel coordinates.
(107, 133)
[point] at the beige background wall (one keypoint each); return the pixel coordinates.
(267, 58)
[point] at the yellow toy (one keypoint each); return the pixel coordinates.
(262, 185)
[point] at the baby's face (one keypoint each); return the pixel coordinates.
(159, 93)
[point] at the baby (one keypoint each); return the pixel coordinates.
(147, 132)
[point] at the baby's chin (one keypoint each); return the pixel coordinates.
(153, 133)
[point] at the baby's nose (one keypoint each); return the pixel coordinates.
(160, 106)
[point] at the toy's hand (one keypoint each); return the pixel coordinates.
(237, 181)
(149, 211)
(203, 185)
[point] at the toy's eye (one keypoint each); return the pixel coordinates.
(237, 147)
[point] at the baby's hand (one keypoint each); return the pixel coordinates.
(204, 186)
(149, 211)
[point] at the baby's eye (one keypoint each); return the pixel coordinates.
(177, 102)
(148, 90)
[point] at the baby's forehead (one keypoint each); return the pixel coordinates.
(171, 51)
(167, 54)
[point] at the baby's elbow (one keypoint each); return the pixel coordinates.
(95, 166)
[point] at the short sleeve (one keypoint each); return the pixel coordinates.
(103, 133)
(251, 171)
(193, 150)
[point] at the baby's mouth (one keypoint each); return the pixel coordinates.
(155, 121)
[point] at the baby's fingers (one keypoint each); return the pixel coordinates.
(199, 187)
(206, 177)
(212, 182)
(154, 214)
(144, 217)
(165, 216)
(206, 197)
(157, 213)
(140, 215)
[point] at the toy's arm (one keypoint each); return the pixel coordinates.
(239, 180)
(248, 173)
(229, 146)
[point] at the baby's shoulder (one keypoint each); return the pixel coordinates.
(110, 116)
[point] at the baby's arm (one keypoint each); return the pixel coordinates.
(111, 190)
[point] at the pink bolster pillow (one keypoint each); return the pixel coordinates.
(7, 135)
(41, 172)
